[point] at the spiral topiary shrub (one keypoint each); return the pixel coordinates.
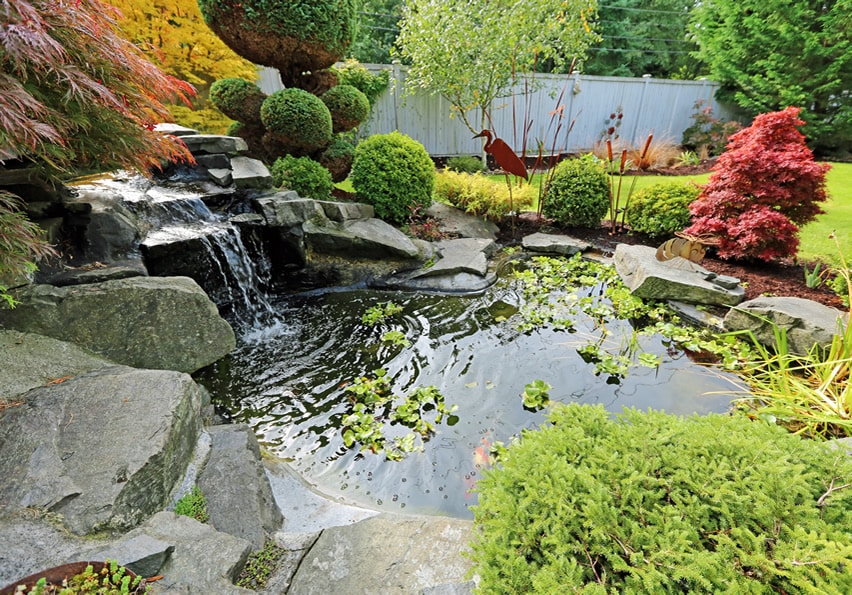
(354, 73)
(304, 175)
(654, 503)
(578, 193)
(337, 158)
(238, 99)
(297, 37)
(394, 173)
(299, 120)
(662, 209)
(348, 106)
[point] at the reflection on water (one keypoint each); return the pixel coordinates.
(288, 381)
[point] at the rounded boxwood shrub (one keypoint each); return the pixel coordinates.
(662, 209)
(337, 158)
(304, 175)
(578, 193)
(352, 72)
(238, 99)
(348, 106)
(394, 173)
(298, 119)
(654, 503)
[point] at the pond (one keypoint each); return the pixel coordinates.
(292, 380)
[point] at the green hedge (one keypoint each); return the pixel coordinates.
(578, 193)
(653, 503)
(662, 209)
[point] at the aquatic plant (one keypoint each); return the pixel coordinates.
(379, 313)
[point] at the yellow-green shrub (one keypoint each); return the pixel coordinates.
(481, 195)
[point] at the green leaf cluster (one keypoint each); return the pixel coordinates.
(297, 118)
(353, 73)
(536, 394)
(662, 209)
(304, 175)
(482, 195)
(394, 173)
(194, 505)
(578, 193)
(337, 158)
(654, 503)
(380, 313)
(260, 566)
(348, 106)
(374, 406)
(238, 99)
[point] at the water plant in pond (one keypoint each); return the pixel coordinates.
(396, 338)
(380, 313)
(536, 394)
(374, 406)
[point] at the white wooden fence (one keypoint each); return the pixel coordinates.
(649, 105)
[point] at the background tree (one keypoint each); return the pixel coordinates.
(376, 31)
(645, 37)
(771, 54)
(468, 50)
(172, 34)
(74, 94)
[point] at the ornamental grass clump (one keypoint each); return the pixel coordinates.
(481, 195)
(654, 503)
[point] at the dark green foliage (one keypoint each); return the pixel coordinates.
(304, 175)
(772, 54)
(654, 503)
(260, 566)
(22, 244)
(465, 164)
(297, 37)
(371, 85)
(378, 25)
(394, 173)
(337, 158)
(299, 120)
(238, 99)
(348, 106)
(578, 193)
(194, 505)
(707, 131)
(662, 209)
(234, 129)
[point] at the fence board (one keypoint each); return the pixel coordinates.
(661, 106)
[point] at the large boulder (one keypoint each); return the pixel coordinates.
(387, 554)
(675, 279)
(360, 238)
(111, 477)
(165, 323)
(805, 322)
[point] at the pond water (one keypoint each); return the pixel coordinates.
(289, 381)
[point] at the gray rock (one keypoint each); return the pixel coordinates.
(215, 161)
(369, 238)
(114, 476)
(554, 244)
(145, 322)
(220, 176)
(455, 222)
(250, 173)
(141, 554)
(214, 143)
(234, 483)
(84, 275)
(175, 129)
(676, 279)
(386, 554)
(283, 210)
(204, 560)
(467, 255)
(28, 361)
(111, 231)
(806, 322)
(344, 211)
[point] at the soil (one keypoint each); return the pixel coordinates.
(781, 278)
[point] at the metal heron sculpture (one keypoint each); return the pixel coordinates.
(504, 156)
(508, 161)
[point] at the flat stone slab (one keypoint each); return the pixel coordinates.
(286, 209)
(367, 238)
(805, 322)
(455, 222)
(214, 143)
(466, 255)
(175, 129)
(554, 244)
(344, 211)
(250, 173)
(386, 554)
(675, 279)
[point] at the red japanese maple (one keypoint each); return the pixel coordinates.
(762, 188)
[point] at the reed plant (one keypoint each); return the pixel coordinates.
(808, 394)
